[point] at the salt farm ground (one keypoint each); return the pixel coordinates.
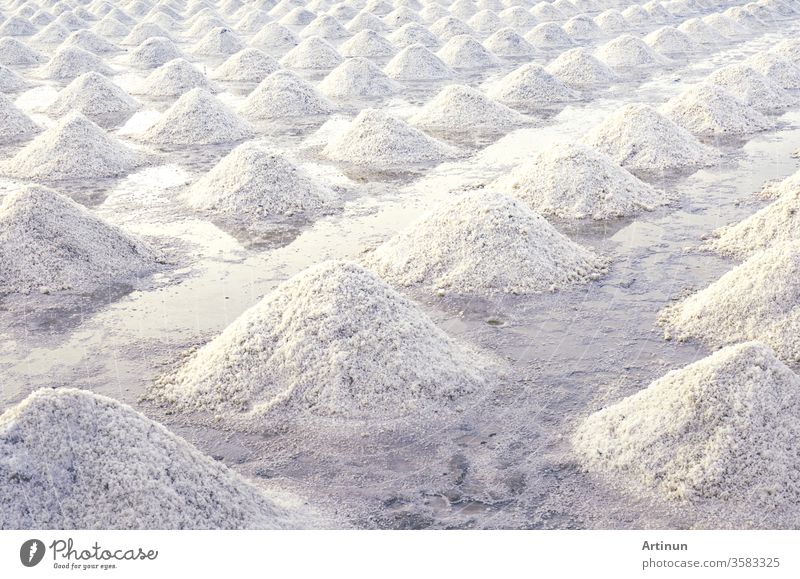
(410, 264)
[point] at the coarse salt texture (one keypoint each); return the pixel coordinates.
(70, 62)
(531, 86)
(507, 43)
(637, 137)
(776, 68)
(16, 53)
(757, 300)
(47, 241)
(788, 186)
(154, 52)
(578, 69)
(71, 459)
(284, 95)
(548, 35)
(248, 65)
(313, 53)
(464, 52)
(484, 242)
(412, 33)
(10, 81)
(707, 109)
(254, 182)
(367, 44)
(628, 51)
(379, 141)
(197, 118)
(752, 88)
(274, 36)
(15, 125)
(334, 340)
(357, 78)
(670, 41)
(73, 148)
(573, 181)
(417, 63)
(721, 429)
(96, 97)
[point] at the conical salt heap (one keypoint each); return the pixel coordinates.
(530, 86)
(382, 142)
(71, 62)
(417, 63)
(72, 459)
(73, 148)
(334, 340)
(507, 43)
(248, 65)
(700, 32)
(367, 44)
(629, 51)
(16, 53)
(96, 97)
(14, 124)
(219, 41)
(313, 53)
(573, 181)
(776, 68)
(49, 241)
(776, 189)
(412, 33)
(90, 41)
(578, 69)
(325, 26)
(670, 41)
(253, 182)
(752, 88)
(274, 36)
(446, 28)
(172, 79)
(464, 52)
(640, 139)
(484, 242)
(154, 52)
(721, 429)
(197, 118)
(10, 81)
(757, 300)
(461, 108)
(284, 95)
(548, 35)
(357, 77)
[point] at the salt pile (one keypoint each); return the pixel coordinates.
(357, 78)
(154, 52)
(582, 28)
(49, 241)
(788, 186)
(88, 40)
(253, 182)
(518, 18)
(484, 242)
(110, 27)
(143, 31)
(365, 21)
(284, 95)
(706, 109)
(14, 124)
(752, 88)
(670, 41)
(775, 223)
(725, 25)
(530, 85)
(417, 63)
(16, 53)
(723, 428)
(413, 33)
(578, 69)
(72, 459)
(446, 28)
(334, 340)
(248, 65)
(757, 300)
(485, 22)
(313, 53)
(628, 51)
(546, 12)
(636, 16)
(699, 31)
(53, 33)
(219, 41)
(640, 139)
(776, 68)
(507, 43)
(465, 52)
(96, 97)
(197, 118)
(70, 62)
(573, 181)
(297, 16)
(273, 35)
(325, 26)
(548, 35)
(173, 79)
(611, 21)
(368, 44)
(73, 148)
(459, 108)
(789, 48)
(10, 81)
(17, 26)
(382, 142)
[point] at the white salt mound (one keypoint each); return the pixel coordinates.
(10, 81)
(460, 108)
(548, 35)
(16, 53)
(484, 242)
(367, 44)
(757, 300)
(447, 27)
(72, 459)
(382, 142)
(573, 181)
(219, 41)
(154, 52)
(637, 137)
(173, 79)
(670, 41)
(412, 33)
(73, 148)
(248, 65)
(313, 53)
(70, 62)
(700, 32)
(707, 109)
(788, 186)
(628, 51)
(49, 241)
(357, 77)
(95, 96)
(776, 68)
(284, 95)
(254, 182)
(14, 124)
(334, 340)
(508, 44)
(788, 48)
(752, 88)
(417, 63)
(90, 41)
(197, 118)
(274, 35)
(464, 52)
(578, 69)
(723, 428)
(725, 25)
(530, 85)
